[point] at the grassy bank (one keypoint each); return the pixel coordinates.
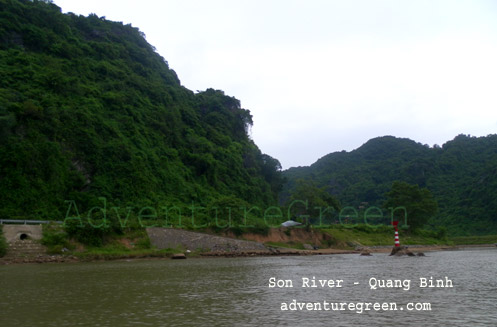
(135, 243)
(350, 237)
(474, 240)
(128, 243)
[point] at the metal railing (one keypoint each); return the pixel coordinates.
(28, 222)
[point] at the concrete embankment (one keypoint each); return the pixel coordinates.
(218, 246)
(24, 246)
(14, 233)
(163, 238)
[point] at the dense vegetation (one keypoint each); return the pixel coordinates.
(90, 113)
(461, 175)
(89, 110)
(418, 204)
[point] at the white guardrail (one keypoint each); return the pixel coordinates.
(27, 222)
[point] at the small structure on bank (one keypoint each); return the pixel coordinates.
(290, 223)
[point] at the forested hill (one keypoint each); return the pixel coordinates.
(462, 175)
(89, 110)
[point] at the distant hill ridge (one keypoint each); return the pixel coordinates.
(462, 174)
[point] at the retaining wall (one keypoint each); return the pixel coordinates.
(164, 238)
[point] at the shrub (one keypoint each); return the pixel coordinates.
(237, 230)
(55, 239)
(86, 233)
(441, 233)
(144, 243)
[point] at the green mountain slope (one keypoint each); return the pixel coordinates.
(88, 109)
(462, 175)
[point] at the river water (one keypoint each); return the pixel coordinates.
(236, 292)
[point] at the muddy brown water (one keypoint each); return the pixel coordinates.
(236, 292)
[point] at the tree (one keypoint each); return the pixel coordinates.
(419, 203)
(311, 201)
(7, 121)
(271, 171)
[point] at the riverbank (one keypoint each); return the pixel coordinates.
(235, 254)
(164, 243)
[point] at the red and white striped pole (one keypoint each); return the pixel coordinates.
(395, 224)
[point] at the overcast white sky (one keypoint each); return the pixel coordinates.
(325, 76)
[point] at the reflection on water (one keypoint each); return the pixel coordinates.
(235, 292)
